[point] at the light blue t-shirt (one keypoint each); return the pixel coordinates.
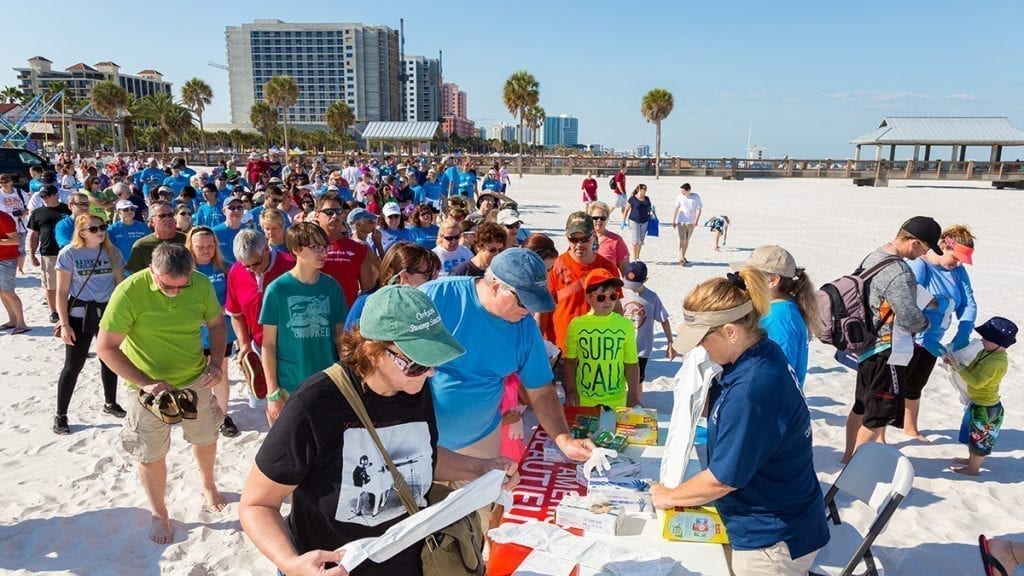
(124, 237)
(785, 326)
(219, 279)
(209, 215)
(467, 184)
(468, 389)
(425, 237)
(953, 295)
(149, 178)
(391, 236)
(305, 316)
(226, 240)
(449, 180)
(176, 183)
(64, 230)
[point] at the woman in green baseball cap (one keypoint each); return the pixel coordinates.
(320, 454)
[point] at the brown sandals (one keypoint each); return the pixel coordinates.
(171, 406)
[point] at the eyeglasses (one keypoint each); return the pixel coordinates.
(184, 213)
(610, 297)
(163, 216)
(127, 210)
(171, 287)
(519, 301)
(578, 239)
(709, 333)
(511, 226)
(251, 267)
(80, 204)
(95, 229)
(307, 203)
(331, 211)
(451, 238)
(494, 249)
(318, 248)
(598, 218)
(407, 366)
(390, 216)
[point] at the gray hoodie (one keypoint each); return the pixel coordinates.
(893, 288)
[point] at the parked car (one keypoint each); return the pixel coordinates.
(17, 161)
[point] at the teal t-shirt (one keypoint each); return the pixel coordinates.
(305, 316)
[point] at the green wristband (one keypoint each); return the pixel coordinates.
(276, 395)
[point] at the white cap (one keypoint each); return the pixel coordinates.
(392, 209)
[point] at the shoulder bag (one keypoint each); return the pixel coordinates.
(453, 551)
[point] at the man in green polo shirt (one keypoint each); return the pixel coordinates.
(149, 335)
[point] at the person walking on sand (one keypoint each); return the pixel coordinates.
(589, 189)
(638, 212)
(150, 337)
(685, 218)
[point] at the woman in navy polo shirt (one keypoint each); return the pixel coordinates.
(760, 470)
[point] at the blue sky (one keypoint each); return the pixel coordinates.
(805, 77)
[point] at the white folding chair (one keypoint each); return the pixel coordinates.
(880, 477)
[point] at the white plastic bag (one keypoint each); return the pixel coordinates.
(692, 383)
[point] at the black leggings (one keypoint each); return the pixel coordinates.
(74, 361)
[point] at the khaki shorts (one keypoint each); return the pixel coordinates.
(48, 265)
(685, 231)
(770, 561)
(147, 438)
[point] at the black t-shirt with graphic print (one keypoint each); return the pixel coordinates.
(319, 446)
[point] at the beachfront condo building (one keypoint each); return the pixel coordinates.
(453, 112)
(353, 63)
(80, 78)
(561, 130)
(421, 101)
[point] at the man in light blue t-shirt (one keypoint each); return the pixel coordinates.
(491, 317)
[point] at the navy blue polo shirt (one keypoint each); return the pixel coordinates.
(759, 442)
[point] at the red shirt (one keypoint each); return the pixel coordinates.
(245, 291)
(590, 187)
(565, 282)
(7, 227)
(344, 261)
(620, 180)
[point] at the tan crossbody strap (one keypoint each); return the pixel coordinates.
(341, 380)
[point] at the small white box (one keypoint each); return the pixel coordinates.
(633, 494)
(604, 519)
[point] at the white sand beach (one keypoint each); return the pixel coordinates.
(73, 504)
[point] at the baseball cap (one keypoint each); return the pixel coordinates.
(509, 217)
(770, 260)
(483, 195)
(274, 180)
(232, 200)
(696, 325)
(579, 222)
(926, 230)
(999, 330)
(599, 276)
(635, 276)
(360, 214)
(525, 272)
(407, 317)
(392, 209)
(124, 205)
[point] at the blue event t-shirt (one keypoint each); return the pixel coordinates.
(785, 326)
(149, 178)
(305, 316)
(64, 230)
(425, 237)
(124, 237)
(449, 180)
(759, 442)
(226, 240)
(219, 279)
(390, 236)
(209, 215)
(953, 295)
(468, 389)
(176, 183)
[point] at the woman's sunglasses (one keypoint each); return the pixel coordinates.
(95, 229)
(407, 366)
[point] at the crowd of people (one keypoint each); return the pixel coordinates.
(404, 270)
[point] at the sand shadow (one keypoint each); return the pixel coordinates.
(80, 543)
(931, 557)
(83, 427)
(822, 402)
(832, 370)
(836, 420)
(998, 469)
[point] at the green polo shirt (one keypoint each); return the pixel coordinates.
(162, 336)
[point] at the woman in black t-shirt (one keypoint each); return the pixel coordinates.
(637, 214)
(319, 453)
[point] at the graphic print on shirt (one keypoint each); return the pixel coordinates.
(368, 495)
(600, 371)
(309, 316)
(635, 312)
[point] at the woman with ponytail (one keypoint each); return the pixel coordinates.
(760, 469)
(793, 313)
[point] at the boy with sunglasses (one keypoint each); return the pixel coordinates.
(601, 366)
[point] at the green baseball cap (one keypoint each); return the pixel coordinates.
(407, 317)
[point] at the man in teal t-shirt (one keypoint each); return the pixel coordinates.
(600, 349)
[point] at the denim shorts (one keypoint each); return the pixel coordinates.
(7, 271)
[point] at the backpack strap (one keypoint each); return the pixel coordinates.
(344, 384)
(874, 270)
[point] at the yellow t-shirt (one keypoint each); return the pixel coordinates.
(983, 376)
(601, 346)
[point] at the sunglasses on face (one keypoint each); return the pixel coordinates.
(451, 238)
(171, 287)
(184, 213)
(163, 216)
(80, 204)
(95, 229)
(610, 297)
(407, 366)
(512, 226)
(599, 218)
(331, 211)
(236, 208)
(519, 301)
(578, 239)
(494, 249)
(255, 264)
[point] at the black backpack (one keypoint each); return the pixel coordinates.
(611, 183)
(845, 312)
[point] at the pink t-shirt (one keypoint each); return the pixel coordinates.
(613, 248)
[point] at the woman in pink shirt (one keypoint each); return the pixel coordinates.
(609, 244)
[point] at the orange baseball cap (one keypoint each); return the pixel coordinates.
(599, 277)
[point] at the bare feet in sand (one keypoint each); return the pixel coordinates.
(161, 531)
(917, 436)
(967, 470)
(214, 501)
(961, 461)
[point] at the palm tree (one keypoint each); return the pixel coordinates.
(263, 119)
(339, 117)
(282, 92)
(196, 95)
(168, 116)
(109, 100)
(521, 91)
(656, 106)
(534, 119)
(10, 94)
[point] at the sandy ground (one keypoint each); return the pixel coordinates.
(73, 504)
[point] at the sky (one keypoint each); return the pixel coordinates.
(803, 78)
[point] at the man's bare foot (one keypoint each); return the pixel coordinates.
(961, 461)
(214, 501)
(161, 531)
(717, 249)
(1002, 551)
(917, 436)
(967, 470)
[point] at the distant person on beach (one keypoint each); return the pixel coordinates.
(983, 375)
(149, 336)
(42, 237)
(589, 188)
(793, 313)
(638, 212)
(620, 190)
(720, 226)
(608, 243)
(892, 297)
(685, 218)
(947, 281)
